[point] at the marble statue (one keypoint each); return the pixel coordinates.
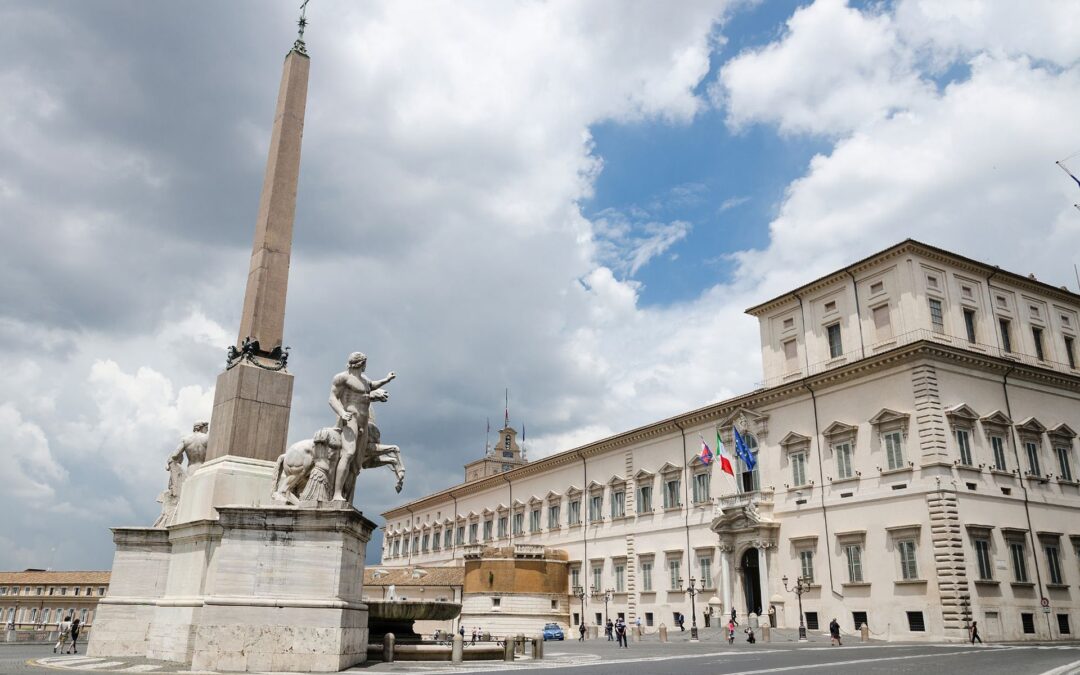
(323, 469)
(351, 394)
(194, 446)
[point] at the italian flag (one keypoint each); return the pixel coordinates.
(725, 460)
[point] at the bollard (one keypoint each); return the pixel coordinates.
(388, 648)
(486, 637)
(519, 645)
(766, 633)
(594, 632)
(538, 647)
(864, 633)
(508, 649)
(637, 634)
(753, 621)
(663, 633)
(457, 649)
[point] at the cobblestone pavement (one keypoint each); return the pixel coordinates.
(708, 657)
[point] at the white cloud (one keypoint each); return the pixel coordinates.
(835, 69)
(29, 469)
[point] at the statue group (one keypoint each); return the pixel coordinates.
(321, 470)
(324, 468)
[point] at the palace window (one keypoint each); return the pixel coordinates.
(969, 324)
(882, 325)
(553, 517)
(474, 530)
(1063, 462)
(1037, 338)
(646, 576)
(853, 552)
(1006, 338)
(791, 354)
(672, 498)
(575, 512)
(937, 319)
(534, 521)
(963, 443)
(701, 488)
(596, 507)
(618, 503)
(674, 575)
(575, 577)
(1053, 563)
(751, 478)
(424, 543)
(1019, 561)
(488, 528)
(1033, 458)
(460, 540)
(798, 468)
(982, 557)
(1070, 352)
(806, 565)
(843, 460)
(644, 499)
(620, 577)
(909, 566)
(705, 565)
(435, 539)
(502, 527)
(836, 347)
(597, 578)
(519, 523)
(998, 445)
(894, 449)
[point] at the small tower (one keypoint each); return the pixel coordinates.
(505, 455)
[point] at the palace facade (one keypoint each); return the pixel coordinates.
(43, 598)
(916, 468)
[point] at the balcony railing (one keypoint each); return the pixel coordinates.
(909, 338)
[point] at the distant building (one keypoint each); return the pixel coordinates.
(915, 463)
(42, 598)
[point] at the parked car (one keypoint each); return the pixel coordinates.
(552, 631)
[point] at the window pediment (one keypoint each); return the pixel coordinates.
(487, 512)
(595, 487)
(518, 504)
(1062, 431)
(573, 491)
(616, 480)
(839, 431)
(644, 475)
(748, 421)
(1031, 426)
(696, 462)
(795, 442)
(962, 415)
(890, 419)
(669, 468)
(996, 419)
(534, 500)
(502, 508)
(553, 496)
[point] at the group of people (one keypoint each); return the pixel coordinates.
(68, 628)
(614, 631)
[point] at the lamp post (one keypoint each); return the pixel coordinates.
(799, 589)
(580, 593)
(693, 591)
(596, 594)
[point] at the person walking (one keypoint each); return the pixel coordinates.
(609, 628)
(834, 633)
(461, 632)
(682, 622)
(975, 632)
(734, 620)
(731, 632)
(75, 625)
(63, 632)
(581, 632)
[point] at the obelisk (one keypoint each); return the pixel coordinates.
(252, 399)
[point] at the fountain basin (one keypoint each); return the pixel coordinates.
(398, 616)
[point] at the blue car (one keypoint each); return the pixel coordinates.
(552, 632)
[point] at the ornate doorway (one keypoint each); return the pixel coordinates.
(751, 580)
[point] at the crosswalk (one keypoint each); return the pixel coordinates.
(75, 662)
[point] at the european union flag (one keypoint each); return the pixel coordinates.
(743, 452)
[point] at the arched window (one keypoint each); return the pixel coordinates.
(751, 479)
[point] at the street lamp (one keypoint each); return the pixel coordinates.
(799, 589)
(693, 591)
(607, 597)
(580, 593)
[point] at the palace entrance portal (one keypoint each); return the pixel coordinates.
(751, 580)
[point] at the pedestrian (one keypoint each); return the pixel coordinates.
(620, 632)
(750, 635)
(834, 633)
(473, 641)
(609, 629)
(461, 632)
(731, 632)
(581, 632)
(63, 633)
(975, 632)
(733, 619)
(637, 622)
(75, 625)
(681, 621)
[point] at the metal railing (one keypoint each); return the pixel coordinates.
(910, 337)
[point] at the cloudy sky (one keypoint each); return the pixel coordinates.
(574, 200)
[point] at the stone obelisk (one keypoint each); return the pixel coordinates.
(252, 399)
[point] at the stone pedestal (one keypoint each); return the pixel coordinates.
(140, 571)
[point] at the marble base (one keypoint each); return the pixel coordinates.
(225, 480)
(264, 588)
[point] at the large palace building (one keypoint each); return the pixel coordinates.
(916, 466)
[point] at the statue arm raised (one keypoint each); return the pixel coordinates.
(379, 383)
(177, 457)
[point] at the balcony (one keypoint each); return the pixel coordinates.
(528, 550)
(472, 551)
(911, 337)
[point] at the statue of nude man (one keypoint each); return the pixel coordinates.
(194, 446)
(351, 394)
